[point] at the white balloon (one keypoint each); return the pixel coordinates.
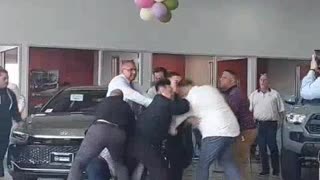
(146, 14)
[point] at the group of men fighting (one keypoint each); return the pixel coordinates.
(136, 132)
(158, 137)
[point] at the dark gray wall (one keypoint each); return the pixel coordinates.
(278, 28)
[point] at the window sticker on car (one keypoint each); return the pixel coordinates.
(48, 110)
(76, 97)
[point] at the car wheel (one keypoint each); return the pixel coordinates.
(20, 176)
(290, 165)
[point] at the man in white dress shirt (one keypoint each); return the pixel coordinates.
(133, 94)
(125, 82)
(218, 126)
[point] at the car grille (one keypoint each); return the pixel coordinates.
(313, 125)
(58, 142)
(310, 149)
(38, 156)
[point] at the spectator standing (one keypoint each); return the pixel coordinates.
(8, 112)
(268, 109)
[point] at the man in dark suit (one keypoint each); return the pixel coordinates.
(179, 147)
(110, 130)
(152, 129)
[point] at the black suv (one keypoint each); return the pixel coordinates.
(45, 145)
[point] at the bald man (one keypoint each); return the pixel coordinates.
(125, 82)
(111, 128)
(268, 110)
(132, 93)
(239, 104)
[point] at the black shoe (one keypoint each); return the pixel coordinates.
(264, 173)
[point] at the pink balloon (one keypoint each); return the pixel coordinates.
(159, 10)
(144, 3)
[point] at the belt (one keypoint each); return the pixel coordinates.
(106, 122)
(266, 122)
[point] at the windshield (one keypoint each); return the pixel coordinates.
(75, 101)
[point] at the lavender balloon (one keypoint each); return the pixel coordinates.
(166, 18)
(159, 10)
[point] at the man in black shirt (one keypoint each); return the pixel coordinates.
(179, 147)
(152, 128)
(115, 121)
(8, 111)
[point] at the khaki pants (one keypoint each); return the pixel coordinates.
(241, 151)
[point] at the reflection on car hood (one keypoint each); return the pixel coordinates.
(58, 125)
(306, 109)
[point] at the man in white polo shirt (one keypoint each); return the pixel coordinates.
(268, 109)
(218, 126)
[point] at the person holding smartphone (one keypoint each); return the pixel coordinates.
(310, 86)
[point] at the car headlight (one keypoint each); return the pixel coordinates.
(295, 118)
(19, 137)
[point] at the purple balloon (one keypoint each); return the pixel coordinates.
(166, 18)
(159, 10)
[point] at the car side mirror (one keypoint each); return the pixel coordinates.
(291, 100)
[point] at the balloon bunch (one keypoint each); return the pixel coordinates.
(158, 9)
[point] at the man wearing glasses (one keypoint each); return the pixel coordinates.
(124, 82)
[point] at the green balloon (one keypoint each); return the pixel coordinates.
(171, 4)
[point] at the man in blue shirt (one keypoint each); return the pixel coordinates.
(310, 87)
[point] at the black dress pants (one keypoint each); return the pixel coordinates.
(267, 134)
(152, 158)
(98, 137)
(98, 169)
(4, 142)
